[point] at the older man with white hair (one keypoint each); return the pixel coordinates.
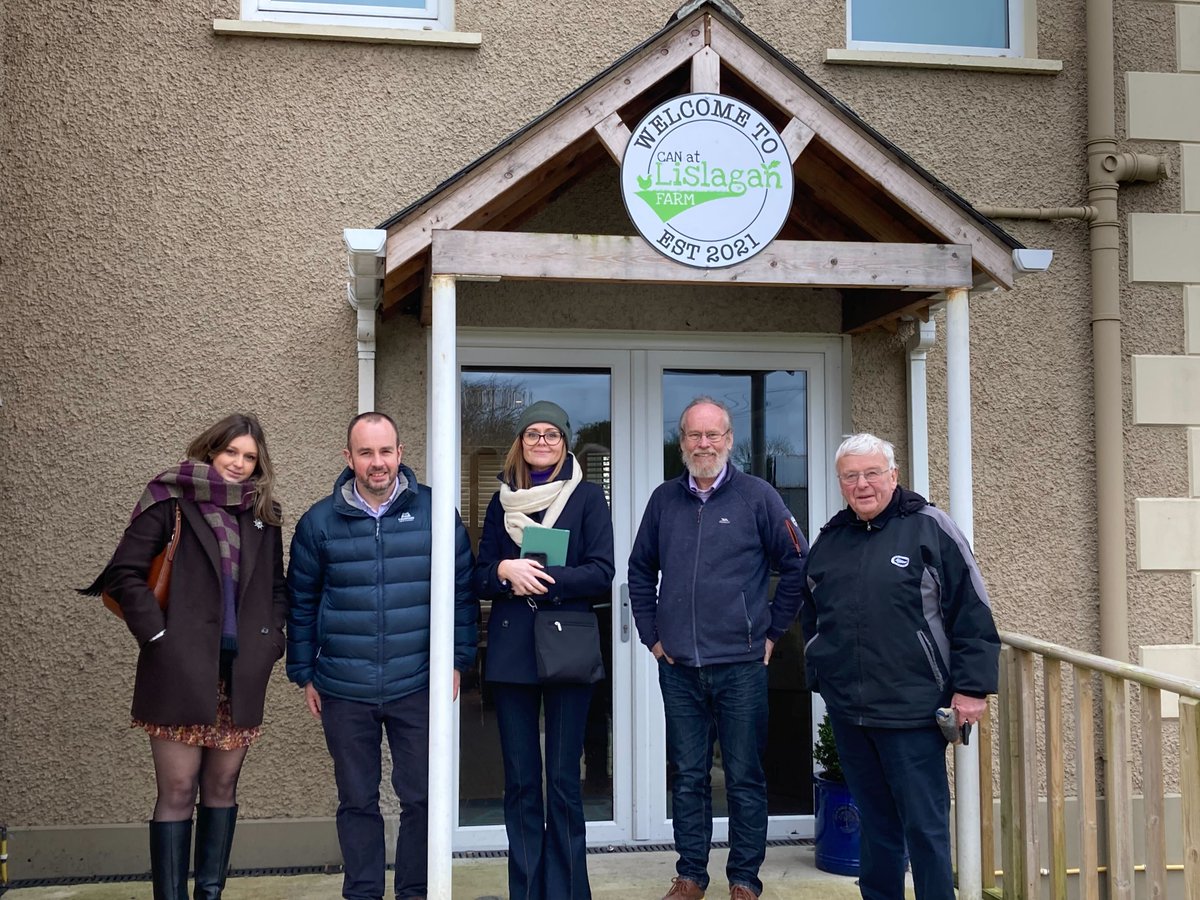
(897, 624)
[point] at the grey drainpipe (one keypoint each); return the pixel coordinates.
(1107, 168)
(1106, 333)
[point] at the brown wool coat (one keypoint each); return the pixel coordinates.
(177, 674)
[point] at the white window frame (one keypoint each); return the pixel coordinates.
(1018, 10)
(436, 15)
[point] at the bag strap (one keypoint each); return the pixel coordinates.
(174, 544)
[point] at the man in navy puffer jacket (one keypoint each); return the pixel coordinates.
(897, 624)
(715, 534)
(358, 643)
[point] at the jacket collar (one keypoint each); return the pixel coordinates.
(250, 533)
(731, 472)
(345, 484)
(903, 503)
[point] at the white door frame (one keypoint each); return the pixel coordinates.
(636, 360)
(492, 348)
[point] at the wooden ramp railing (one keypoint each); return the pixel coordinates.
(1015, 733)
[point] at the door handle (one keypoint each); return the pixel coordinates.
(626, 614)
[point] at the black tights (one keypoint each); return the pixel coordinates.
(179, 769)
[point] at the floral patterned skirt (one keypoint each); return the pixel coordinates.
(221, 735)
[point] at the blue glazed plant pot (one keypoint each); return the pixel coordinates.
(837, 828)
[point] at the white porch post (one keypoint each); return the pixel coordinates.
(441, 458)
(918, 407)
(958, 393)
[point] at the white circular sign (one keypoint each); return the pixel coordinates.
(706, 180)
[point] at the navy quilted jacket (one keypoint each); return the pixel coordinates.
(358, 622)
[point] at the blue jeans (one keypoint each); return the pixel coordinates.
(547, 849)
(733, 698)
(897, 777)
(353, 732)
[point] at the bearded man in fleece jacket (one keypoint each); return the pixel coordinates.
(715, 533)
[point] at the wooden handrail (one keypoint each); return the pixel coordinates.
(1164, 682)
(1015, 739)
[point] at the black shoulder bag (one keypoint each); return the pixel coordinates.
(567, 645)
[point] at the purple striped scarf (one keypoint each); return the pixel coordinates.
(219, 501)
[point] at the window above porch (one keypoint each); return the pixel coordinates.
(979, 28)
(983, 35)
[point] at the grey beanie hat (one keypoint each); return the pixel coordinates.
(550, 413)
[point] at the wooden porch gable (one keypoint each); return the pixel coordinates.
(852, 186)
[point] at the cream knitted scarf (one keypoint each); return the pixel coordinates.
(551, 497)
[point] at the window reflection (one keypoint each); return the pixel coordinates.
(492, 401)
(769, 410)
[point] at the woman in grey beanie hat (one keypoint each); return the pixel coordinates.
(548, 412)
(541, 484)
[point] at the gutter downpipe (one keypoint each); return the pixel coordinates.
(1107, 169)
(967, 816)
(1104, 165)
(918, 346)
(366, 248)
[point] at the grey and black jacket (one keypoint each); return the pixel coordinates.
(895, 616)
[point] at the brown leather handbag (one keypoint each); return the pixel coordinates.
(159, 578)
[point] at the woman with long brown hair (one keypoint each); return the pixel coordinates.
(205, 659)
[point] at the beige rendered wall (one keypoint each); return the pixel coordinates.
(173, 204)
(1162, 250)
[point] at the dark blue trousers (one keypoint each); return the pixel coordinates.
(353, 732)
(547, 846)
(897, 777)
(733, 697)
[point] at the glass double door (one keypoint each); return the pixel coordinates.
(624, 402)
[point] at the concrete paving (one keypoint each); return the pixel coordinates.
(788, 874)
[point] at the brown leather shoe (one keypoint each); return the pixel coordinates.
(741, 892)
(684, 889)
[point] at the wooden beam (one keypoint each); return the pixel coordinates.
(1006, 731)
(1026, 874)
(1189, 766)
(510, 209)
(396, 290)
(614, 135)
(1055, 775)
(1152, 794)
(831, 188)
(1085, 783)
(496, 174)
(706, 72)
(869, 158)
(508, 216)
(1118, 787)
(822, 223)
(987, 809)
(863, 311)
(574, 257)
(796, 137)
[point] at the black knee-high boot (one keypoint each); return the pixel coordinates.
(170, 843)
(214, 840)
